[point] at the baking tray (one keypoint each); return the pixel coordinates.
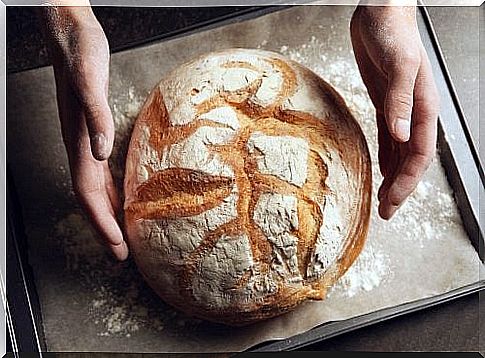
(458, 155)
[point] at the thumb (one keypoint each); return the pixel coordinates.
(91, 87)
(100, 126)
(90, 79)
(399, 101)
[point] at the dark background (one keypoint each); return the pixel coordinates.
(124, 27)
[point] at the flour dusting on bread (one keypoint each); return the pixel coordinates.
(247, 187)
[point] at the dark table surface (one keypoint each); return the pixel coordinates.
(454, 326)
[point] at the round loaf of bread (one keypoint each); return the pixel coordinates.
(247, 187)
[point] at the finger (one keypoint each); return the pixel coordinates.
(90, 188)
(399, 97)
(389, 156)
(90, 79)
(111, 188)
(425, 111)
(385, 185)
(387, 153)
(403, 185)
(375, 83)
(421, 147)
(98, 116)
(101, 129)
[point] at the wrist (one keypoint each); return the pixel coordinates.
(59, 19)
(62, 19)
(387, 12)
(60, 23)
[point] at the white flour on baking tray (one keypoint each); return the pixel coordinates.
(122, 304)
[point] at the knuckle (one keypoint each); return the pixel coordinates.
(400, 101)
(88, 92)
(431, 98)
(408, 176)
(83, 190)
(424, 157)
(422, 153)
(435, 99)
(401, 60)
(393, 198)
(410, 59)
(403, 99)
(405, 59)
(407, 183)
(90, 103)
(91, 106)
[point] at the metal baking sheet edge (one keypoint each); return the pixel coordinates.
(333, 329)
(464, 173)
(23, 308)
(458, 152)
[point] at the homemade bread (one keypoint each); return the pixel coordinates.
(247, 187)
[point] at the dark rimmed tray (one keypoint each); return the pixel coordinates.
(463, 169)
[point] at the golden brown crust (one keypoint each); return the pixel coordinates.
(178, 192)
(165, 183)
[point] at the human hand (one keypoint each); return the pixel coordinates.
(80, 56)
(397, 73)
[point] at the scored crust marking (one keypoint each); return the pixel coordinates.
(193, 260)
(249, 195)
(309, 211)
(269, 120)
(155, 116)
(193, 152)
(171, 207)
(165, 183)
(252, 184)
(276, 215)
(236, 79)
(170, 135)
(243, 99)
(235, 155)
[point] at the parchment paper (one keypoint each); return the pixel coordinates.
(91, 303)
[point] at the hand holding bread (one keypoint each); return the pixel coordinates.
(388, 50)
(80, 56)
(397, 73)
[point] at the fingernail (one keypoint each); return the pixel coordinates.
(403, 129)
(99, 145)
(384, 210)
(120, 251)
